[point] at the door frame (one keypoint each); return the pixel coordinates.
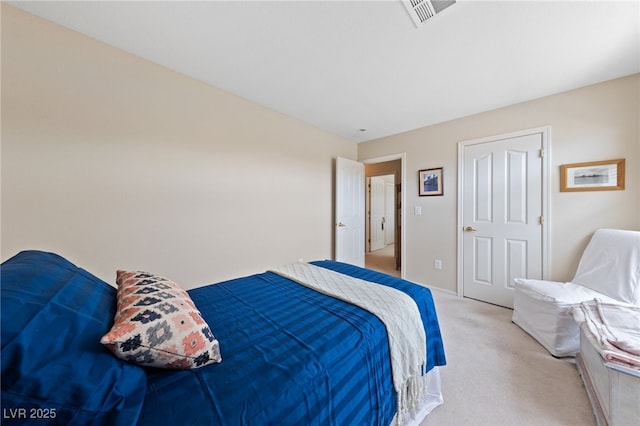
(546, 197)
(403, 202)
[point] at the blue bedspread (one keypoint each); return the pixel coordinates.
(421, 295)
(54, 369)
(269, 327)
(291, 356)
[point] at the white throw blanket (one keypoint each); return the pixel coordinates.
(397, 310)
(614, 328)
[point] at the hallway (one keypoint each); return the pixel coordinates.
(382, 260)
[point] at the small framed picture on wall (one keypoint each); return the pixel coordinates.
(592, 176)
(430, 182)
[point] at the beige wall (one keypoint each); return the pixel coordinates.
(115, 162)
(598, 122)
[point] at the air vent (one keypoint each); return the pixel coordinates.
(421, 10)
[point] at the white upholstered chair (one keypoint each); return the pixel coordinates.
(608, 270)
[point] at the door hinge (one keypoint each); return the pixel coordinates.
(541, 220)
(541, 152)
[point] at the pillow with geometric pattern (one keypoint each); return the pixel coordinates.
(157, 325)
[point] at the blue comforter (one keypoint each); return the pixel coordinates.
(291, 356)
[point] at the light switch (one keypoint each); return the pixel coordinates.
(417, 210)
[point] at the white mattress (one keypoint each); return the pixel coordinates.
(432, 398)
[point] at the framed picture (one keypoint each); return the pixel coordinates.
(430, 182)
(592, 176)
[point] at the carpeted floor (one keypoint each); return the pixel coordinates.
(382, 260)
(498, 375)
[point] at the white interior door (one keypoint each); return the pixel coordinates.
(376, 212)
(349, 212)
(502, 215)
(389, 212)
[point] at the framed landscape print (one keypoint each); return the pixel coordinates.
(430, 182)
(592, 176)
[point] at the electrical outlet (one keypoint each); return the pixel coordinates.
(437, 264)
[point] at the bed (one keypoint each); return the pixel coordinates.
(290, 355)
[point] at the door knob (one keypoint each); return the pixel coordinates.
(340, 224)
(470, 229)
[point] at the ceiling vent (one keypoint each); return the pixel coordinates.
(421, 10)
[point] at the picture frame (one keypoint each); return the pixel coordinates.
(592, 176)
(430, 182)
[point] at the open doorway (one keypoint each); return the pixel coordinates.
(383, 215)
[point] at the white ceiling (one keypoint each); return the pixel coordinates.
(349, 65)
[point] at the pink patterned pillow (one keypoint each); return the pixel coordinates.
(158, 325)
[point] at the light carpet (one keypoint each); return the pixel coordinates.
(382, 260)
(497, 374)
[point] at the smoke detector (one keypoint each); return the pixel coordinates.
(421, 10)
